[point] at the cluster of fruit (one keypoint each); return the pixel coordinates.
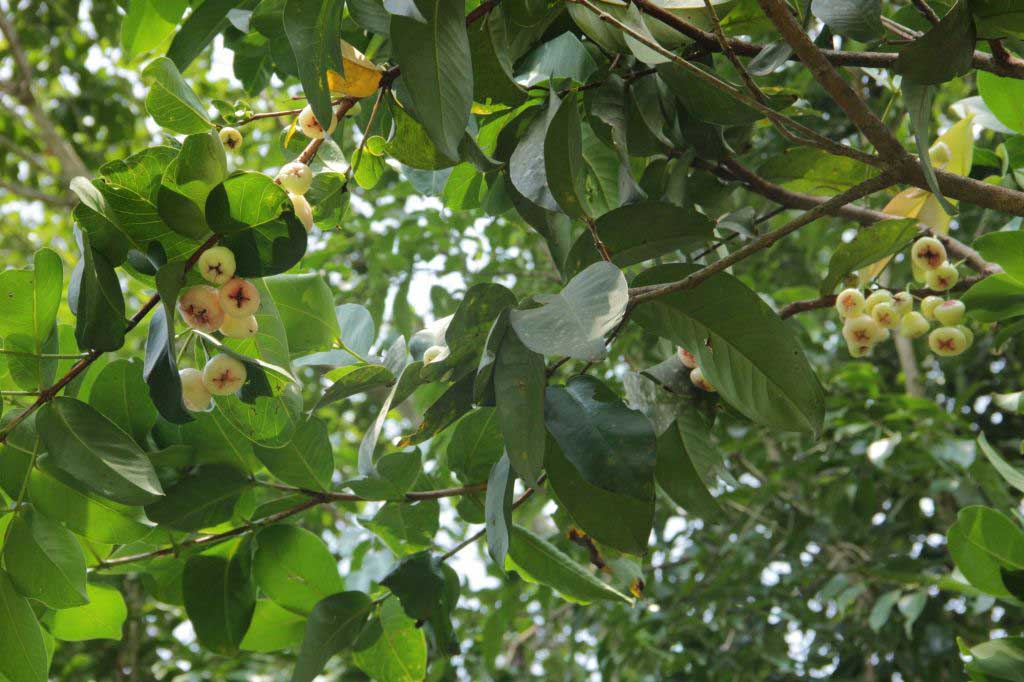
(697, 377)
(229, 307)
(869, 321)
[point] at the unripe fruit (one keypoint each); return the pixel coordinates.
(883, 335)
(920, 274)
(928, 305)
(239, 298)
(903, 302)
(947, 341)
(880, 296)
(303, 211)
(968, 334)
(686, 357)
(928, 253)
(885, 315)
(861, 330)
(193, 391)
(859, 351)
(950, 313)
(200, 308)
(698, 380)
(239, 327)
(295, 177)
(217, 265)
(311, 127)
(913, 325)
(231, 138)
(223, 375)
(849, 303)
(435, 354)
(942, 278)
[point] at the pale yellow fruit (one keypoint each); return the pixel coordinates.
(216, 265)
(295, 177)
(947, 341)
(858, 350)
(361, 77)
(950, 313)
(913, 325)
(311, 127)
(850, 303)
(303, 211)
(942, 278)
(223, 375)
(239, 298)
(193, 392)
(928, 253)
(903, 302)
(968, 334)
(885, 315)
(880, 296)
(231, 138)
(200, 308)
(861, 330)
(698, 379)
(686, 357)
(928, 305)
(239, 327)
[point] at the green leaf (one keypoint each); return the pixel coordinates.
(475, 445)
(294, 568)
(998, 18)
(815, 172)
(99, 306)
(492, 61)
(575, 321)
(349, 381)
(1002, 96)
(882, 609)
(941, 54)
(220, 596)
(171, 102)
(329, 196)
(561, 58)
(148, 23)
(498, 509)
(405, 527)
(704, 101)
(982, 543)
(201, 499)
(29, 299)
(160, 367)
(638, 232)
(273, 628)
(443, 412)
(919, 100)
(200, 166)
(519, 381)
(1010, 473)
(270, 421)
(392, 648)
(526, 167)
(23, 656)
(305, 305)
(1003, 659)
(538, 561)
(314, 32)
(333, 626)
(45, 561)
(1004, 248)
(102, 618)
(434, 58)
(120, 394)
(996, 298)
(199, 29)
(83, 443)
(684, 475)
(744, 349)
(563, 159)
(411, 143)
(428, 590)
(870, 245)
(857, 19)
(305, 461)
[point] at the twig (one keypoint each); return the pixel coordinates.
(483, 531)
(1004, 56)
(730, 54)
(640, 295)
(925, 9)
(797, 307)
(602, 249)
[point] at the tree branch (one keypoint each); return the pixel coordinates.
(640, 295)
(828, 301)
(34, 194)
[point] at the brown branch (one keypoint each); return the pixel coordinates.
(925, 9)
(1004, 56)
(730, 54)
(527, 494)
(731, 169)
(34, 194)
(797, 307)
(825, 73)
(875, 60)
(640, 295)
(414, 496)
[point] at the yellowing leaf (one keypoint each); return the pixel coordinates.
(952, 152)
(361, 76)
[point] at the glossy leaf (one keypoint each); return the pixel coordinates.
(23, 656)
(171, 102)
(44, 561)
(392, 648)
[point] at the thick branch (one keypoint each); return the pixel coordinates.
(833, 83)
(640, 295)
(875, 60)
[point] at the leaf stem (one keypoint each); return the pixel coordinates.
(43, 356)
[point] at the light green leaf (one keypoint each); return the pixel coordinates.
(102, 618)
(45, 561)
(273, 628)
(870, 245)
(305, 461)
(23, 656)
(148, 23)
(333, 626)
(171, 102)
(392, 648)
(305, 305)
(294, 568)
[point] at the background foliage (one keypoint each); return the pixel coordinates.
(819, 517)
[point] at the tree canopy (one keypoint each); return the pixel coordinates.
(583, 339)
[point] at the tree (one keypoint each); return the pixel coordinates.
(510, 339)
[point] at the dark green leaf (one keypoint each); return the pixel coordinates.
(220, 596)
(519, 380)
(941, 54)
(314, 32)
(475, 445)
(100, 322)
(498, 509)
(45, 561)
(199, 29)
(294, 568)
(23, 656)
(683, 474)
(333, 626)
(306, 460)
(871, 244)
(201, 499)
(119, 393)
(563, 160)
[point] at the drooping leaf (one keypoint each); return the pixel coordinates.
(943, 53)
(314, 32)
(871, 244)
(199, 29)
(294, 568)
(563, 160)
(99, 322)
(519, 380)
(498, 509)
(919, 103)
(220, 595)
(23, 656)
(45, 561)
(332, 627)
(857, 19)
(682, 472)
